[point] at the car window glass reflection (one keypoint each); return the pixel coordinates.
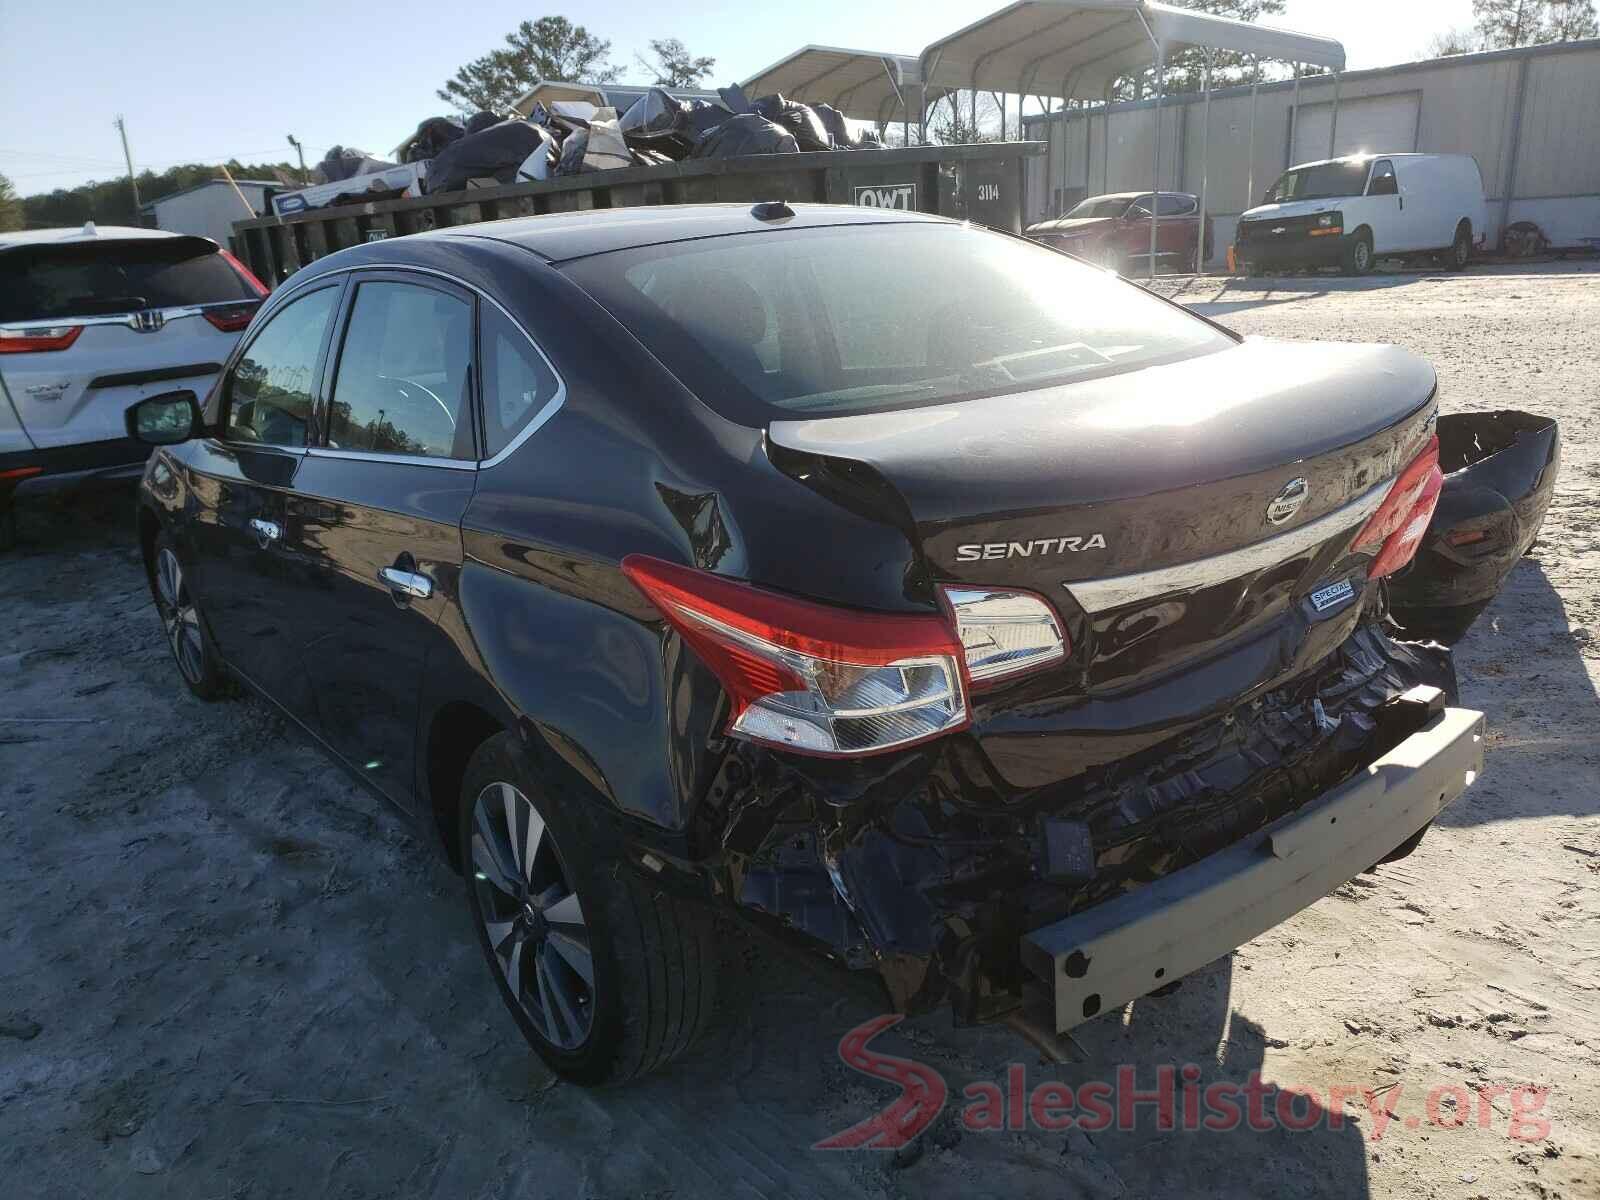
(403, 374)
(270, 391)
(517, 382)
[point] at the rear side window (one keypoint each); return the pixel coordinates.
(89, 279)
(517, 382)
(270, 391)
(814, 322)
(1177, 206)
(404, 374)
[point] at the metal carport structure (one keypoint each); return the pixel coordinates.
(1077, 49)
(864, 85)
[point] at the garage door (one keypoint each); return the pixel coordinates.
(1371, 124)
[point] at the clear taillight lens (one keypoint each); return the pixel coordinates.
(1394, 532)
(813, 677)
(28, 341)
(1004, 633)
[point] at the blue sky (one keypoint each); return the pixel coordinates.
(201, 82)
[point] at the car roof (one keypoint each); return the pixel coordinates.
(87, 232)
(1130, 196)
(1368, 156)
(562, 236)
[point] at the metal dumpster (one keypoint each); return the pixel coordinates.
(981, 182)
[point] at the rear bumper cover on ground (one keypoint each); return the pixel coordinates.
(1100, 959)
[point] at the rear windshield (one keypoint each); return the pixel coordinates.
(817, 322)
(95, 278)
(1321, 182)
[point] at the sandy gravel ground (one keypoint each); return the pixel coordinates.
(225, 972)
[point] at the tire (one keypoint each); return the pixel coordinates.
(1356, 257)
(193, 651)
(1460, 254)
(8, 525)
(650, 987)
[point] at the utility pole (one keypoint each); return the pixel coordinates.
(305, 180)
(128, 158)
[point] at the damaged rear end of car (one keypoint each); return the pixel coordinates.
(1112, 686)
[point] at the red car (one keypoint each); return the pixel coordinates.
(1114, 231)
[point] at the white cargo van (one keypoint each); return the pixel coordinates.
(1350, 212)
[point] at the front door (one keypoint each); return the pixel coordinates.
(1384, 212)
(239, 569)
(374, 517)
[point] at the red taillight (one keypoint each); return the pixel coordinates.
(233, 317)
(26, 341)
(20, 472)
(813, 677)
(245, 273)
(1395, 531)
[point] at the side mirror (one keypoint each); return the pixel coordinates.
(166, 419)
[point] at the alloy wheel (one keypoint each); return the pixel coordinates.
(532, 916)
(1363, 257)
(179, 617)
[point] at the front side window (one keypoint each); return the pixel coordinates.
(270, 392)
(814, 322)
(404, 374)
(517, 382)
(1383, 180)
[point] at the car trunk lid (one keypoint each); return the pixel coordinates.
(1165, 511)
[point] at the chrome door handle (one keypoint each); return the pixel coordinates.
(266, 531)
(410, 583)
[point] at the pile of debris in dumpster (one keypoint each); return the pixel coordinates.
(574, 137)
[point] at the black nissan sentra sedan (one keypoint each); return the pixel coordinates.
(1006, 635)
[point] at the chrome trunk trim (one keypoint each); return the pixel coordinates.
(1101, 595)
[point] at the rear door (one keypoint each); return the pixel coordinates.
(1176, 239)
(374, 517)
(248, 583)
(117, 320)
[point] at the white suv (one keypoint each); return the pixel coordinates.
(91, 321)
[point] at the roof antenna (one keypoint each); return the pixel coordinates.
(89, 230)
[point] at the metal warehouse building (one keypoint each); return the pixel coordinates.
(1531, 117)
(209, 209)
